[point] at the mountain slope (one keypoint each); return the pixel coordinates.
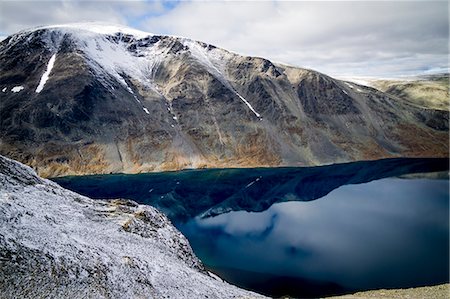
(427, 91)
(55, 243)
(86, 98)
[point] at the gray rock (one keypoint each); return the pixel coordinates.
(55, 243)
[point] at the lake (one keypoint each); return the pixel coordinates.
(304, 232)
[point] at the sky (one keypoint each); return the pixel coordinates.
(341, 38)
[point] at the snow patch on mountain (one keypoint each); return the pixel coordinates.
(107, 50)
(203, 56)
(214, 61)
(46, 74)
(115, 59)
(98, 27)
(17, 89)
(55, 243)
(248, 105)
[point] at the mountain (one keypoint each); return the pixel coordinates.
(430, 91)
(89, 98)
(55, 243)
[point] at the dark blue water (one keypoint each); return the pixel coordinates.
(304, 232)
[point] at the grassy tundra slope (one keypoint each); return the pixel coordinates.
(427, 91)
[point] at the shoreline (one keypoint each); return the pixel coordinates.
(441, 291)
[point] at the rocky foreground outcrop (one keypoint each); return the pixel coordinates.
(89, 98)
(57, 244)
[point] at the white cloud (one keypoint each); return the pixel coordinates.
(359, 38)
(18, 15)
(339, 38)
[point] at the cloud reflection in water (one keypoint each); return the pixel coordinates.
(386, 233)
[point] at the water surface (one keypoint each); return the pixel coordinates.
(305, 232)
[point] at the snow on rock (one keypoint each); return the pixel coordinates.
(55, 243)
(248, 104)
(46, 74)
(17, 88)
(99, 28)
(135, 97)
(106, 49)
(365, 81)
(146, 110)
(349, 85)
(353, 87)
(213, 61)
(114, 59)
(202, 55)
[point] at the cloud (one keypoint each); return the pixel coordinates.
(339, 38)
(18, 15)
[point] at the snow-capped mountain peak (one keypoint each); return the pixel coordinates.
(95, 27)
(128, 54)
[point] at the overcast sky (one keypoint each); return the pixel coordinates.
(375, 39)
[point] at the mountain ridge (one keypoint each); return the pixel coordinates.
(116, 102)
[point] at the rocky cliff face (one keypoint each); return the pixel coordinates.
(85, 98)
(55, 243)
